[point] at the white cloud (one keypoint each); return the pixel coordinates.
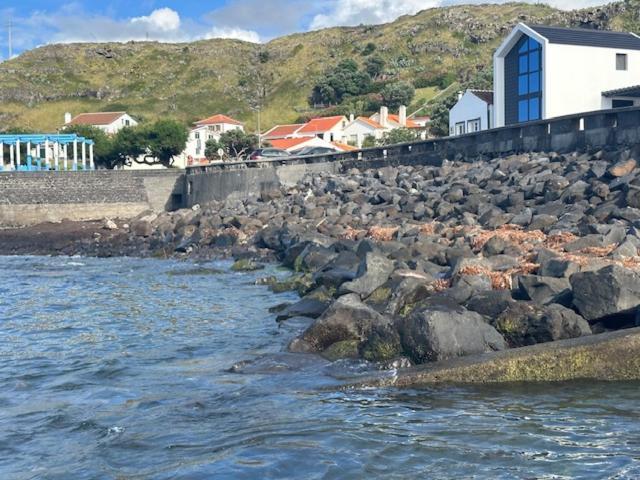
(232, 32)
(356, 12)
(164, 19)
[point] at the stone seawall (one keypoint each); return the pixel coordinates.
(27, 198)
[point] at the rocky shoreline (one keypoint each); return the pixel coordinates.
(412, 265)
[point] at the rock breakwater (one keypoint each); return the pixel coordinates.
(419, 264)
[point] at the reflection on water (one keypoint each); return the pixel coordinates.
(121, 368)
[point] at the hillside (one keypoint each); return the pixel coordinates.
(193, 80)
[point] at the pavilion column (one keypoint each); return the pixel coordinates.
(38, 150)
(46, 154)
(56, 155)
(11, 159)
(29, 156)
(66, 152)
(84, 156)
(91, 165)
(2, 155)
(17, 154)
(75, 155)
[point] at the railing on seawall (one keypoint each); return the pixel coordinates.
(595, 129)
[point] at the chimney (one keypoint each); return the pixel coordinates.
(67, 118)
(352, 117)
(402, 115)
(460, 95)
(384, 116)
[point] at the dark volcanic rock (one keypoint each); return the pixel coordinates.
(373, 272)
(525, 323)
(346, 319)
(609, 291)
(439, 333)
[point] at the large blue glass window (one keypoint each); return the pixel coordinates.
(529, 80)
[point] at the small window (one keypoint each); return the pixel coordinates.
(473, 125)
(197, 135)
(621, 61)
(621, 103)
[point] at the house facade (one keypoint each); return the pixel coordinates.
(473, 112)
(360, 129)
(109, 122)
(204, 130)
(542, 72)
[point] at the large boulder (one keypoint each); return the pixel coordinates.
(526, 323)
(440, 332)
(543, 289)
(346, 319)
(609, 291)
(373, 272)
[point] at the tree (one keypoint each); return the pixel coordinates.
(369, 49)
(129, 144)
(340, 83)
(398, 135)
(374, 66)
(235, 143)
(396, 94)
(164, 140)
(105, 154)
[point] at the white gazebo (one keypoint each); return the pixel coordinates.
(60, 152)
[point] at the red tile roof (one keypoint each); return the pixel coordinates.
(370, 122)
(286, 143)
(410, 123)
(321, 125)
(344, 147)
(100, 118)
(283, 131)
(216, 119)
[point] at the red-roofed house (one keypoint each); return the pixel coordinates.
(327, 128)
(204, 130)
(360, 129)
(296, 143)
(283, 131)
(109, 122)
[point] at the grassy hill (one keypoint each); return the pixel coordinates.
(188, 81)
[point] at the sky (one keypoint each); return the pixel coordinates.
(38, 22)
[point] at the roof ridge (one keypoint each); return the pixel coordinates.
(578, 29)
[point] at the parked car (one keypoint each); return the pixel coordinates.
(268, 153)
(314, 151)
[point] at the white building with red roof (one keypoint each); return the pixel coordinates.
(204, 130)
(109, 122)
(327, 128)
(283, 131)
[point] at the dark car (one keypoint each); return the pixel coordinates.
(268, 153)
(314, 151)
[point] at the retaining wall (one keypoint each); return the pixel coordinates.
(28, 198)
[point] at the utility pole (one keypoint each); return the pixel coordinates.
(10, 30)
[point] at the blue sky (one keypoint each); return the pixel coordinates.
(38, 22)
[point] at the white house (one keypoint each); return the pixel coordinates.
(327, 128)
(472, 112)
(203, 130)
(542, 72)
(109, 122)
(361, 128)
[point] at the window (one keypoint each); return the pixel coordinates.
(621, 61)
(127, 123)
(460, 128)
(621, 103)
(529, 80)
(197, 134)
(473, 125)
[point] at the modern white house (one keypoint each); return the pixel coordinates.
(203, 130)
(543, 72)
(109, 122)
(473, 112)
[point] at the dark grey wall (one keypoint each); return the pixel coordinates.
(33, 197)
(511, 85)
